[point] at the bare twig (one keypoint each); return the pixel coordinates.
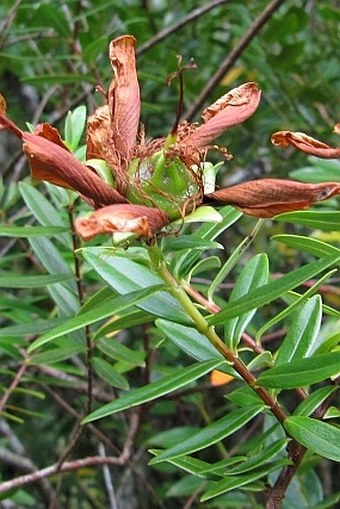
(163, 34)
(227, 64)
(16, 380)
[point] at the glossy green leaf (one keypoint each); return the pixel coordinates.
(321, 171)
(126, 321)
(109, 374)
(74, 127)
(252, 276)
(211, 434)
(188, 242)
(257, 460)
(273, 289)
(307, 244)
(319, 437)
(310, 404)
(42, 209)
(125, 276)
(32, 328)
(116, 305)
(189, 340)
(169, 383)
(15, 281)
(321, 220)
(301, 372)
(303, 332)
(232, 482)
(295, 300)
(30, 231)
(116, 350)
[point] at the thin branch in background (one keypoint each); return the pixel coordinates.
(108, 480)
(4, 28)
(15, 382)
(163, 34)
(233, 56)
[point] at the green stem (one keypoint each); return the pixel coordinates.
(208, 331)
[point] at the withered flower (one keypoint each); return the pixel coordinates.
(306, 144)
(153, 182)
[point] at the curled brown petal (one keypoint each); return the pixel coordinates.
(138, 219)
(55, 164)
(6, 123)
(3, 105)
(232, 108)
(268, 197)
(124, 95)
(305, 143)
(97, 133)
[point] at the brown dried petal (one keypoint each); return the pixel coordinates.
(2, 104)
(53, 163)
(124, 95)
(232, 108)
(6, 123)
(305, 143)
(138, 219)
(97, 133)
(268, 197)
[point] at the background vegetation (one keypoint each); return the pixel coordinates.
(52, 55)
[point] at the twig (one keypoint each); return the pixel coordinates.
(233, 56)
(16, 380)
(163, 34)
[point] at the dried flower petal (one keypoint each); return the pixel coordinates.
(124, 95)
(2, 104)
(305, 143)
(232, 108)
(143, 221)
(268, 197)
(97, 134)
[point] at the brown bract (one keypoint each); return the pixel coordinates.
(268, 197)
(137, 219)
(306, 144)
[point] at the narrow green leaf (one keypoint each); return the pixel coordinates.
(252, 276)
(30, 231)
(189, 340)
(14, 281)
(188, 242)
(169, 383)
(32, 328)
(107, 309)
(273, 289)
(303, 331)
(61, 79)
(109, 374)
(125, 276)
(310, 404)
(307, 244)
(301, 372)
(319, 437)
(232, 482)
(211, 434)
(321, 220)
(116, 350)
(257, 460)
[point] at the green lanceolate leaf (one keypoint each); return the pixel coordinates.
(310, 404)
(321, 220)
(169, 383)
(30, 231)
(189, 340)
(15, 281)
(320, 437)
(303, 331)
(116, 305)
(252, 276)
(307, 244)
(116, 350)
(109, 374)
(273, 290)
(211, 434)
(125, 276)
(301, 372)
(232, 482)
